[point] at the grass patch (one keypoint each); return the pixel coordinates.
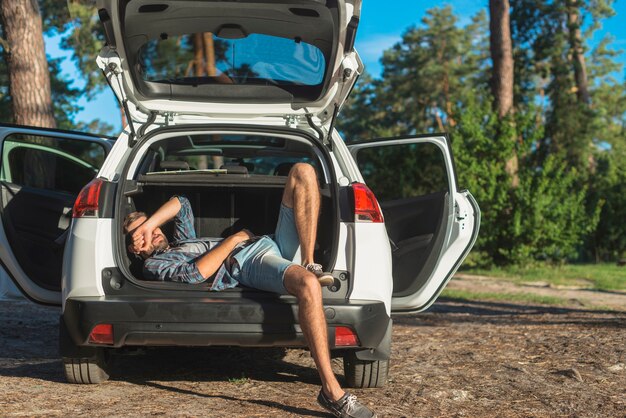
(595, 276)
(239, 380)
(504, 297)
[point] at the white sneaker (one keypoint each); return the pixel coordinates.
(325, 278)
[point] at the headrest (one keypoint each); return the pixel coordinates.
(173, 165)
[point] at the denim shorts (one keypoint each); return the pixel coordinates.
(263, 264)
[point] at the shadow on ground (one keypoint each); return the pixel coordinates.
(232, 364)
(457, 310)
(262, 402)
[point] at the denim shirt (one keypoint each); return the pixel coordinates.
(178, 262)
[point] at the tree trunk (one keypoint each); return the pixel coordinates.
(198, 55)
(29, 76)
(501, 46)
(209, 54)
(578, 54)
(501, 55)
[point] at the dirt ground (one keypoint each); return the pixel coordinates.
(459, 359)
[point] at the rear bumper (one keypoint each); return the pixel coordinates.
(214, 322)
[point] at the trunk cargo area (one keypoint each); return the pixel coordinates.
(225, 208)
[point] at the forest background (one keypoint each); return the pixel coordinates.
(536, 116)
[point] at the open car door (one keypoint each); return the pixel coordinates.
(41, 173)
(431, 224)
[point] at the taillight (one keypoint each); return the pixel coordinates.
(366, 208)
(101, 334)
(87, 201)
(345, 337)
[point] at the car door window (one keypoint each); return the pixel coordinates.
(48, 163)
(403, 171)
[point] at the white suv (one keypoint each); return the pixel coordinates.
(223, 98)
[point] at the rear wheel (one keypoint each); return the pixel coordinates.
(89, 370)
(365, 373)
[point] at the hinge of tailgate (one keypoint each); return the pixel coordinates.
(292, 121)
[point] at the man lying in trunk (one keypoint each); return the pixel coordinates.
(259, 262)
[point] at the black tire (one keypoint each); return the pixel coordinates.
(90, 370)
(365, 373)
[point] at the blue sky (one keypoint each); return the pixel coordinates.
(381, 26)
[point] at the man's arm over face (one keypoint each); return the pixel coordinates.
(183, 220)
(142, 236)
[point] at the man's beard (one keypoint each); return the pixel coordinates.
(159, 246)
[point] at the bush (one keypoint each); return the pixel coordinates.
(549, 218)
(544, 215)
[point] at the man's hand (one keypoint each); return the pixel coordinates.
(212, 260)
(142, 237)
(243, 235)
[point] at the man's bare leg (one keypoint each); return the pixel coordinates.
(304, 286)
(303, 195)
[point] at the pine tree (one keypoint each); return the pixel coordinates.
(431, 69)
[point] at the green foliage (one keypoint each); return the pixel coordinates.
(361, 117)
(601, 276)
(77, 21)
(588, 136)
(64, 96)
(544, 72)
(608, 173)
(550, 219)
(544, 217)
(608, 241)
(403, 171)
(433, 69)
(481, 162)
